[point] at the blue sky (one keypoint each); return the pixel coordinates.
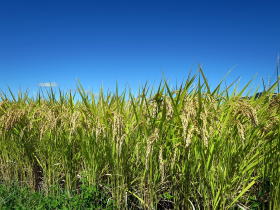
(101, 42)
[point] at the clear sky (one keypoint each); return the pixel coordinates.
(101, 42)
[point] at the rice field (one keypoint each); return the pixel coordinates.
(192, 147)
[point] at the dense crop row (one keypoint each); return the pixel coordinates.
(186, 148)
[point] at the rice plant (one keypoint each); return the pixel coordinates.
(192, 147)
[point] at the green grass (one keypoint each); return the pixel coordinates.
(191, 147)
(14, 196)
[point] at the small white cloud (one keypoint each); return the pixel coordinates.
(47, 84)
